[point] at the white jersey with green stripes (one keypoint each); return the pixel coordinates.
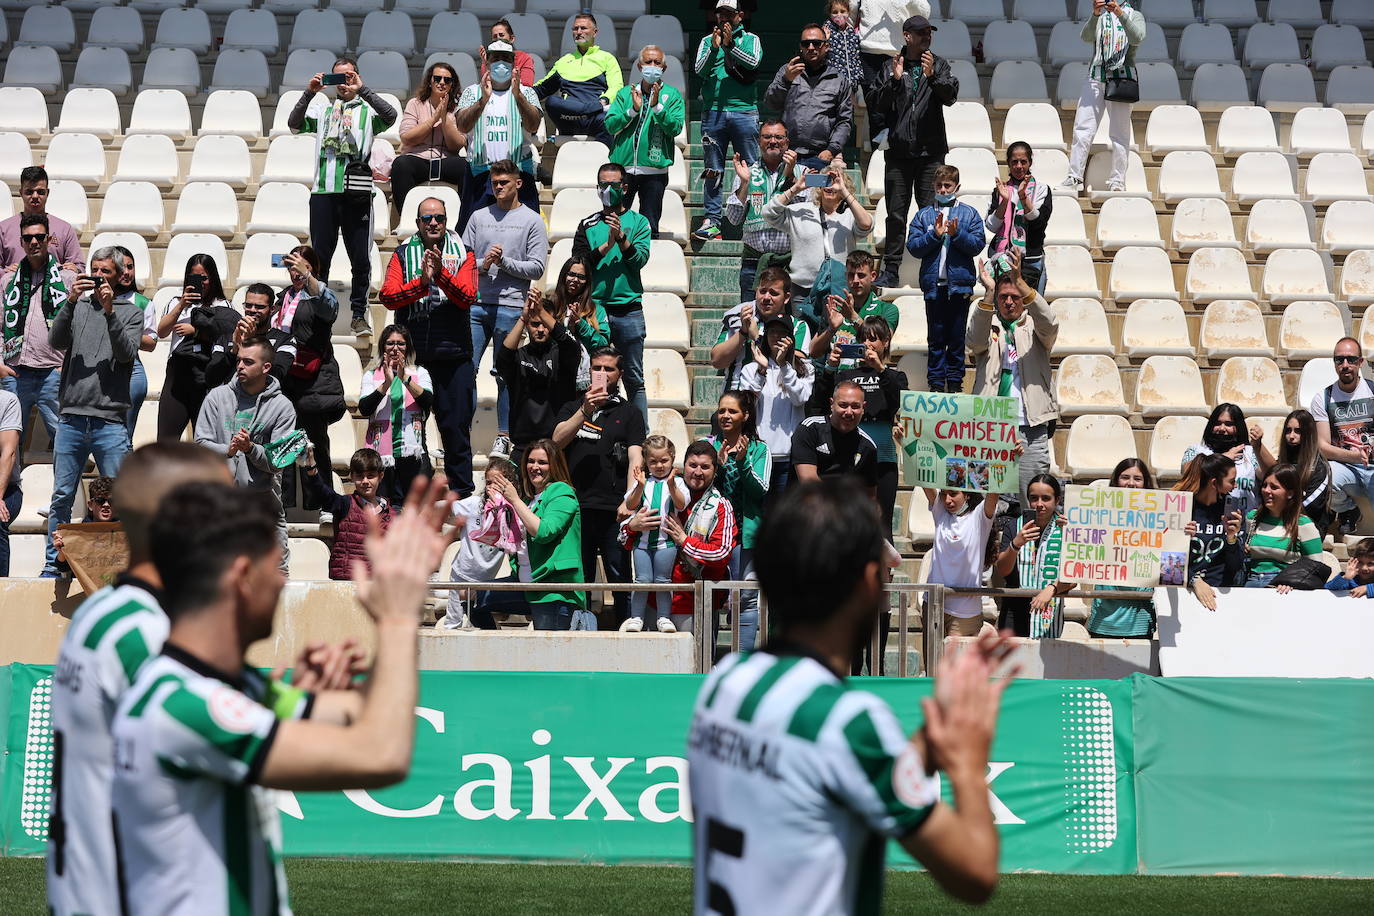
(195, 835)
(797, 784)
(110, 637)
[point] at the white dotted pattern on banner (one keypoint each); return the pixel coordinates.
(1090, 770)
(33, 814)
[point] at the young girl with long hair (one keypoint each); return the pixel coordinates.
(1227, 433)
(781, 380)
(571, 301)
(1116, 617)
(745, 467)
(396, 397)
(1215, 556)
(548, 509)
(1298, 446)
(1029, 558)
(1279, 533)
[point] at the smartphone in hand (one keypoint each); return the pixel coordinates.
(818, 179)
(334, 79)
(279, 260)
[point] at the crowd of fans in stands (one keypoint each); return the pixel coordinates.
(574, 476)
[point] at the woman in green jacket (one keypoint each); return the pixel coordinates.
(645, 119)
(553, 533)
(745, 467)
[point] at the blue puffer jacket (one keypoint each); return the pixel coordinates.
(968, 241)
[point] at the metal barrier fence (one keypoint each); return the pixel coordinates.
(711, 614)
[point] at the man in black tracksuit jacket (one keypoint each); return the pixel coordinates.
(911, 93)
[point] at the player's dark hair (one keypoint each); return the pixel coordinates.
(859, 258)
(813, 547)
(774, 275)
(200, 529)
(1023, 145)
(612, 352)
(32, 174)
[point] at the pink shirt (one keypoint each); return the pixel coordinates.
(63, 242)
(418, 112)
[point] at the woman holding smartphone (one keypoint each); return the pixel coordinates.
(195, 320)
(1215, 553)
(825, 226)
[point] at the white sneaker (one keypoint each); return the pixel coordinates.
(632, 625)
(665, 625)
(1072, 183)
(1116, 186)
(326, 518)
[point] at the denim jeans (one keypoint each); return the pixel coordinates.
(14, 500)
(740, 129)
(778, 479)
(627, 336)
(742, 568)
(1259, 579)
(1033, 271)
(138, 391)
(35, 386)
(649, 189)
(654, 565)
(491, 324)
(947, 324)
(1349, 481)
(552, 615)
(79, 438)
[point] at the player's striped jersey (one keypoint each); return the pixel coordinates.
(194, 835)
(797, 783)
(110, 637)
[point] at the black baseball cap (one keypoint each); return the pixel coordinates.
(916, 23)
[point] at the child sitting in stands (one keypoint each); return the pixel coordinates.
(99, 508)
(1359, 571)
(350, 524)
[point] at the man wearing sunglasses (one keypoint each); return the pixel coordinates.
(62, 238)
(1344, 412)
(431, 284)
(816, 101)
(34, 290)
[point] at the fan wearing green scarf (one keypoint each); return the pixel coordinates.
(34, 290)
(1010, 337)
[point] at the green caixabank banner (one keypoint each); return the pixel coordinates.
(592, 768)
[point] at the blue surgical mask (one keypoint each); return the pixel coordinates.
(651, 73)
(945, 200)
(500, 71)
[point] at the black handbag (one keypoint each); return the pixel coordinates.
(1122, 88)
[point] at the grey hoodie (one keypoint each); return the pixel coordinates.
(268, 416)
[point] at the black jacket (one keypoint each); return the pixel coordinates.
(916, 119)
(311, 381)
(539, 383)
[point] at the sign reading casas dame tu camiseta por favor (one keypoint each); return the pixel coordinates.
(959, 442)
(1127, 537)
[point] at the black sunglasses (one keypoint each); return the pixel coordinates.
(35, 237)
(99, 500)
(441, 79)
(1345, 359)
(434, 218)
(812, 42)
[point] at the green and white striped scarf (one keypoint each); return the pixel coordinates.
(18, 297)
(477, 151)
(413, 254)
(762, 186)
(1038, 565)
(1112, 43)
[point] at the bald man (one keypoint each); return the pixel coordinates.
(111, 635)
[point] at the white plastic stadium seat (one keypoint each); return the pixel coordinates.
(1100, 167)
(951, 40)
(148, 157)
(23, 110)
(977, 169)
(1233, 13)
(1089, 384)
(405, 224)
(255, 265)
(181, 247)
(666, 383)
(1155, 48)
(290, 158)
(666, 271)
(207, 206)
(252, 30)
(309, 559)
(319, 29)
(577, 164)
(532, 34)
(1124, 221)
(131, 206)
(970, 86)
(78, 157)
(1357, 278)
(1159, 84)
(1347, 226)
(1233, 327)
(384, 71)
(1336, 46)
(1171, 437)
(1096, 442)
(68, 200)
(232, 111)
(1319, 130)
(570, 207)
(980, 12)
(1188, 173)
(1066, 46)
(242, 69)
(130, 240)
(1275, 224)
(160, 111)
(1139, 272)
(967, 125)
(1008, 40)
(89, 111)
(1069, 272)
(1352, 12)
(1286, 87)
(1155, 327)
(664, 31)
(172, 68)
(1254, 383)
(1016, 81)
(1246, 129)
(220, 158)
(1217, 273)
(1366, 135)
(1202, 222)
(1269, 43)
(620, 10)
(1335, 176)
(281, 206)
(1173, 128)
(454, 31)
(1308, 329)
(665, 318)
(1066, 226)
(15, 155)
(104, 68)
(387, 31)
(184, 28)
(1205, 43)
(116, 27)
(1082, 328)
(1351, 89)
(302, 64)
(1301, 14)
(48, 26)
(1036, 123)
(38, 485)
(1169, 385)
(35, 67)
(1293, 275)
(1219, 86)
(606, 38)
(1260, 175)
(1039, 13)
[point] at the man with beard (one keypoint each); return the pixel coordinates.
(797, 779)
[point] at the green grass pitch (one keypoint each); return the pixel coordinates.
(334, 887)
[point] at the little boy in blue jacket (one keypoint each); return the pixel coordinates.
(1359, 572)
(946, 237)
